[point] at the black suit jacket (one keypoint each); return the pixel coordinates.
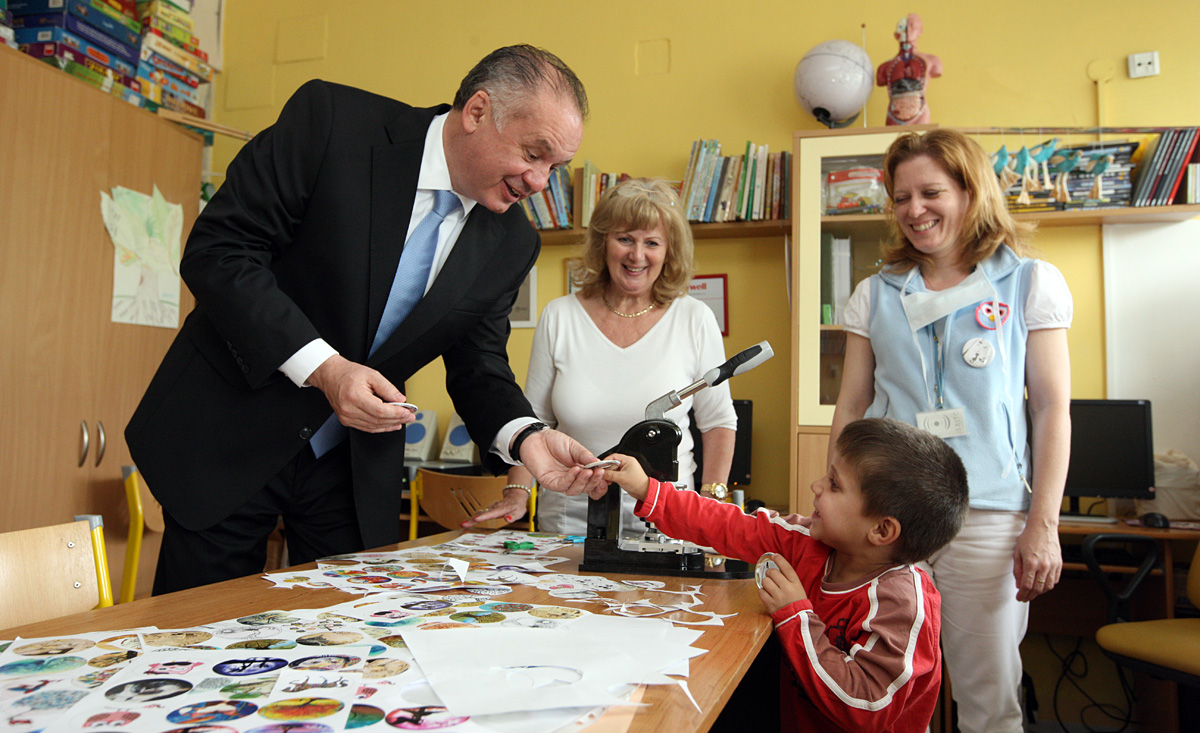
(302, 241)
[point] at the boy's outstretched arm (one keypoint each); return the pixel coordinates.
(629, 476)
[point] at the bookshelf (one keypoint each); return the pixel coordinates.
(721, 230)
(817, 349)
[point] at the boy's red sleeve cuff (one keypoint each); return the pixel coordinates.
(791, 611)
(646, 507)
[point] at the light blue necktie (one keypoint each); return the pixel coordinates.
(407, 289)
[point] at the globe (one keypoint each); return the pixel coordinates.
(833, 81)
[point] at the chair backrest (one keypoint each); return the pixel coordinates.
(450, 499)
(1193, 579)
(52, 571)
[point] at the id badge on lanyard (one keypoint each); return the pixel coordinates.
(943, 422)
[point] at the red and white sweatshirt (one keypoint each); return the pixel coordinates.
(864, 655)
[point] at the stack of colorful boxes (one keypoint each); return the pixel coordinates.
(144, 51)
(95, 40)
(8, 36)
(172, 67)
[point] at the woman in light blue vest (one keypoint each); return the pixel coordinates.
(951, 336)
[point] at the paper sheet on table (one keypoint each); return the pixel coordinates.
(145, 233)
(499, 670)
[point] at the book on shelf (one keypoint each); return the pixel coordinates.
(739, 205)
(843, 273)
(826, 278)
(690, 172)
(714, 187)
(728, 189)
(702, 182)
(1175, 168)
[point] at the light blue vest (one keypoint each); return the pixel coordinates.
(995, 451)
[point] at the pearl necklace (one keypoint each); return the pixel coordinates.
(642, 312)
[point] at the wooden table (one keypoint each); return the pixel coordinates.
(714, 676)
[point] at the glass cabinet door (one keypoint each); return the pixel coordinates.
(836, 231)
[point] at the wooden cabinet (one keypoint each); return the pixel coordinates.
(816, 348)
(67, 367)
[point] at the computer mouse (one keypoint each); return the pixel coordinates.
(1155, 520)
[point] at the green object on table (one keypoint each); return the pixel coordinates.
(513, 545)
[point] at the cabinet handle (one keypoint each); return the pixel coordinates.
(100, 442)
(83, 447)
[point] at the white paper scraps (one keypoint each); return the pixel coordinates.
(498, 669)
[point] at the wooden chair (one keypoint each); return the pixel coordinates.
(53, 571)
(449, 499)
(144, 513)
(1167, 649)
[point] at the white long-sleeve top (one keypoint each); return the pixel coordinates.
(593, 390)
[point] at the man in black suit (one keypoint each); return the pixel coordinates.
(295, 263)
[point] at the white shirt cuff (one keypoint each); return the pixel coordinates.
(505, 436)
(304, 362)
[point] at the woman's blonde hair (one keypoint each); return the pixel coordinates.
(638, 203)
(988, 223)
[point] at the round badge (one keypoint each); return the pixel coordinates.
(764, 564)
(989, 315)
(978, 352)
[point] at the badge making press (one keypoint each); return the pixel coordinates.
(654, 442)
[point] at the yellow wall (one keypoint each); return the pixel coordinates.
(1020, 63)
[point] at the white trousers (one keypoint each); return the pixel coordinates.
(982, 622)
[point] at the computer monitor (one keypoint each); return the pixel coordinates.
(1112, 451)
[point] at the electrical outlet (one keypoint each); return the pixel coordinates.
(1143, 64)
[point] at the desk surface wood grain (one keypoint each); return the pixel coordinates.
(714, 675)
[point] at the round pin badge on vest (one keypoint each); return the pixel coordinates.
(764, 564)
(978, 352)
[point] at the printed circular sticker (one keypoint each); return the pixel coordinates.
(478, 617)
(377, 669)
(212, 711)
(121, 643)
(267, 617)
(426, 717)
(50, 665)
(363, 715)
(488, 590)
(325, 662)
(263, 644)
(148, 690)
(301, 708)
(49, 700)
(108, 660)
(176, 638)
(555, 612)
(250, 689)
(506, 607)
(430, 605)
(53, 647)
(248, 666)
(330, 638)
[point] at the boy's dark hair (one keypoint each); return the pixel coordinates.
(909, 474)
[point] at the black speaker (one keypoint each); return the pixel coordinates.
(739, 470)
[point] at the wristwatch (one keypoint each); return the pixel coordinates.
(524, 433)
(718, 491)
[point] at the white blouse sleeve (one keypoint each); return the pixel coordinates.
(857, 316)
(713, 406)
(1049, 304)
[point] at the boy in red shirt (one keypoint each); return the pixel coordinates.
(858, 621)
